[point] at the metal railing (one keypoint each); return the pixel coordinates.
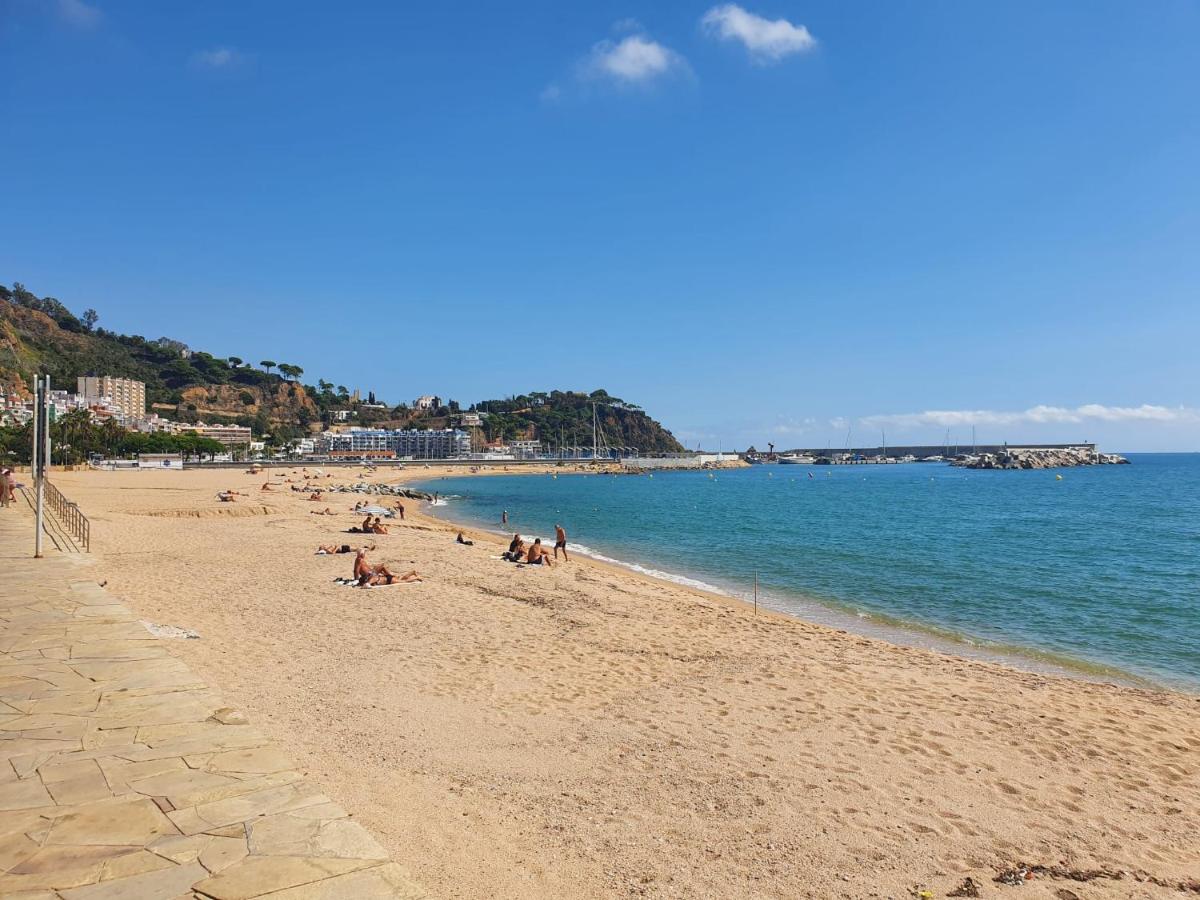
(69, 516)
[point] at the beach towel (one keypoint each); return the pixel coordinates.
(353, 582)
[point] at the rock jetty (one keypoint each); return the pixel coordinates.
(1028, 458)
(387, 490)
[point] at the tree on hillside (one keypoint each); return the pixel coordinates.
(268, 364)
(235, 361)
(343, 393)
(89, 319)
(289, 371)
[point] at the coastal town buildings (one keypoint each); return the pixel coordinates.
(125, 393)
(229, 435)
(412, 443)
(427, 401)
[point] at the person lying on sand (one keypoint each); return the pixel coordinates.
(266, 486)
(367, 575)
(343, 548)
(538, 555)
(383, 576)
(322, 512)
(462, 540)
(315, 495)
(226, 497)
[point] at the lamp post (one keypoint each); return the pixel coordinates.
(40, 457)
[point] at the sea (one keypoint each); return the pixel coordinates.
(1095, 573)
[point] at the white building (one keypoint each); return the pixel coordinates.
(126, 393)
(427, 402)
(414, 443)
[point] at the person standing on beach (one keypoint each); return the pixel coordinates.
(504, 517)
(400, 510)
(560, 541)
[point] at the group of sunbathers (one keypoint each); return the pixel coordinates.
(535, 554)
(365, 574)
(369, 526)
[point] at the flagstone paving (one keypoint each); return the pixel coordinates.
(123, 775)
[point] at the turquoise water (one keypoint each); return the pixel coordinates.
(1098, 572)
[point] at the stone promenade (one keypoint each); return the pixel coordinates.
(123, 776)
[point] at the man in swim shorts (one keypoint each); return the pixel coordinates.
(537, 555)
(560, 542)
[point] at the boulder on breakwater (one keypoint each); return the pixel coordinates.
(1029, 458)
(387, 490)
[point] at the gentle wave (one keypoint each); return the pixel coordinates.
(660, 574)
(859, 621)
(1011, 567)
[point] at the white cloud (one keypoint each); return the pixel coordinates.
(766, 40)
(1038, 415)
(218, 58)
(78, 13)
(632, 60)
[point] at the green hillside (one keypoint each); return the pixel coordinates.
(41, 335)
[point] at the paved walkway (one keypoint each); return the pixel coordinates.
(124, 777)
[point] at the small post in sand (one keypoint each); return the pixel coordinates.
(756, 592)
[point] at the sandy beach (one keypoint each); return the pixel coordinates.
(586, 732)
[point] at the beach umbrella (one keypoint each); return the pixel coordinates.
(375, 510)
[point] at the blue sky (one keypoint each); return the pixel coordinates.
(773, 221)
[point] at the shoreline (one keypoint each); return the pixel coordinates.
(587, 731)
(838, 617)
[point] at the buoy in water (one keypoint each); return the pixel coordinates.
(1058, 478)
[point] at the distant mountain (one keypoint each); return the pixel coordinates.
(41, 335)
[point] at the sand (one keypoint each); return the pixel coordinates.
(586, 732)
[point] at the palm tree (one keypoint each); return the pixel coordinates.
(268, 364)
